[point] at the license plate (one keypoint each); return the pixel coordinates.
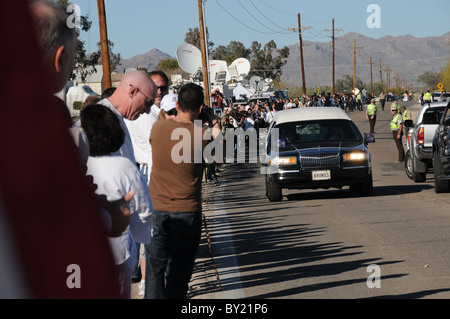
(321, 175)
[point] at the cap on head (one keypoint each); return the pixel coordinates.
(169, 102)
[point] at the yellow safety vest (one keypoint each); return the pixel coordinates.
(394, 125)
(405, 115)
(371, 108)
(427, 97)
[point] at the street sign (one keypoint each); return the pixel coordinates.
(440, 86)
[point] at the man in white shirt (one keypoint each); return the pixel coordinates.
(140, 129)
(135, 95)
(139, 132)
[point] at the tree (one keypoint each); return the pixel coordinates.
(193, 37)
(114, 59)
(229, 53)
(168, 64)
(268, 61)
(82, 60)
(345, 84)
(445, 75)
(430, 79)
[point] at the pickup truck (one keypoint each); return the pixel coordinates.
(441, 154)
(419, 154)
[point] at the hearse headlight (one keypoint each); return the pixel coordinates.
(292, 160)
(355, 156)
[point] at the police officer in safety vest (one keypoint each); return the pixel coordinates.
(406, 114)
(371, 115)
(397, 132)
(427, 97)
(396, 105)
(359, 102)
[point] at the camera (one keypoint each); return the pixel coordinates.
(207, 115)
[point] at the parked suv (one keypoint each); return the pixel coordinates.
(315, 147)
(419, 154)
(441, 154)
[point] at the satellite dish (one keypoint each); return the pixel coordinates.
(242, 66)
(256, 83)
(218, 71)
(189, 58)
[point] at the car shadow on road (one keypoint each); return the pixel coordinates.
(279, 260)
(346, 193)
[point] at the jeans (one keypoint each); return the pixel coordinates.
(171, 255)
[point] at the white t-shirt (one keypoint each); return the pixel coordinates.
(115, 176)
(140, 130)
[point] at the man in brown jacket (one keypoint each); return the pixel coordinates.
(176, 191)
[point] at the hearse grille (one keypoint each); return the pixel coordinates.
(319, 160)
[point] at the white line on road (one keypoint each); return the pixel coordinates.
(227, 265)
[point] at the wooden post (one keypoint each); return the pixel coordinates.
(354, 62)
(204, 52)
(371, 78)
(104, 44)
(332, 37)
(301, 54)
(300, 41)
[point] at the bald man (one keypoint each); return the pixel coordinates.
(134, 95)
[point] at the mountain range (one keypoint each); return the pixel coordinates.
(407, 55)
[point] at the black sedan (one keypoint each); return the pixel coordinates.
(315, 148)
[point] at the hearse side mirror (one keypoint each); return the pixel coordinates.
(369, 138)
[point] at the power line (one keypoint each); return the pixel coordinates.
(281, 28)
(250, 14)
(245, 25)
(275, 9)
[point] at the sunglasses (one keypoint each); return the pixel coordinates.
(172, 112)
(163, 88)
(148, 101)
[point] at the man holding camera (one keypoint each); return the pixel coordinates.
(217, 101)
(176, 189)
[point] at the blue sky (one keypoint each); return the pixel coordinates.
(137, 26)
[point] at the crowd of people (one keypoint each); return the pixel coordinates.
(138, 213)
(112, 190)
(259, 114)
(256, 114)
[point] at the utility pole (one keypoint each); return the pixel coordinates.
(104, 44)
(388, 78)
(371, 79)
(381, 75)
(332, 37)
(354, 62)
(301, 51)
(204, 52)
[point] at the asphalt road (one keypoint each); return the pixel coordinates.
(325, 244)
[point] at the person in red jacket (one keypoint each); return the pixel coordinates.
(53, 241)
